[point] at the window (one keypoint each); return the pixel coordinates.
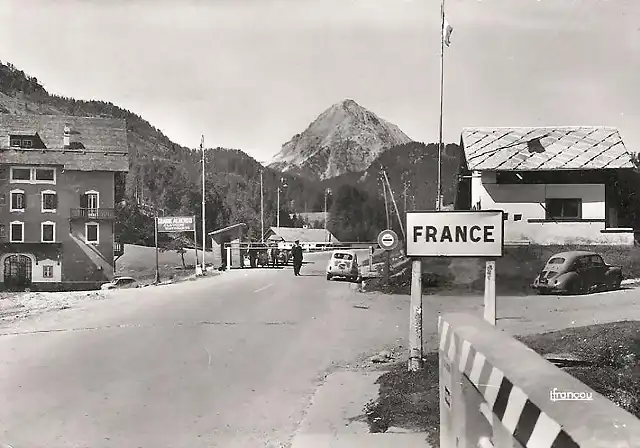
(18, 201)
(17, 232)
(90, 200)
(49, 201)
(92, 232)
(596, 261)
(27, 143)
(48, 232)
(20, 174)
(45, 175)
(47, 271)
(14, 142)
(3, 199)
(563, 208)
(3, 232)
(26, 175)
(517, 217)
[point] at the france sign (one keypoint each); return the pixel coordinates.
(176, 224)
(388, 239)
(455, 234)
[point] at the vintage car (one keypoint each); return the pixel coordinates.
(343, 263)
(577, 272)
(120, 283)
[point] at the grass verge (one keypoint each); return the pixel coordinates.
(515, 270)
(411, 399)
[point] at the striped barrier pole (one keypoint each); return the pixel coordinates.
(496, 392)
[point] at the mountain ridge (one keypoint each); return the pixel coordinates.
(345, 137)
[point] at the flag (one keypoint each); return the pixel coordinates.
(446, 33)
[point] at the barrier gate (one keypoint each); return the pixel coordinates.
(495, 392)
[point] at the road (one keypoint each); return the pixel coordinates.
(229, 361)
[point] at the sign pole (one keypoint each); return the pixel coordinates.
(490, 292)
(195, 243)
(387, 267)
(156, 238)
(415, 322)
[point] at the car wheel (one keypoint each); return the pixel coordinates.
(328, 276)
(576, 287)
(617, 282)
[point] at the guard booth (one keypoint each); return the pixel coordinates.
(231, 236)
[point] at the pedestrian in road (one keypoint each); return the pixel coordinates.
(296, 253)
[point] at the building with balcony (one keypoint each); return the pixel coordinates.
(57, 196)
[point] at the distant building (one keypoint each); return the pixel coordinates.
(556, 185)
(309, 238)
(233, 235)
(315, 219)
(57, 196)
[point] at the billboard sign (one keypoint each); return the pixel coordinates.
(177, 224)
(455, 234)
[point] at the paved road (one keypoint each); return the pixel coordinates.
(230, 361)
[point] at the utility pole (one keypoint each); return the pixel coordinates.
(283, 184)
(404, 194)
(327, 192)
(261, 206)
(204, 232)
(395, 206)
(386, 206)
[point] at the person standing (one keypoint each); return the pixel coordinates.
(296, 252)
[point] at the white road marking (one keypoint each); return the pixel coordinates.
(263, 288)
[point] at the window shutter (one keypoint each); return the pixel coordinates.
(83, 200)
(24, 200)
(55, 201)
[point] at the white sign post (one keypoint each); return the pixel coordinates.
(453, 234)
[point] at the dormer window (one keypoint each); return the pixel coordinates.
(29, 141)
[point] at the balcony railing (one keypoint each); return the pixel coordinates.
(92, 213)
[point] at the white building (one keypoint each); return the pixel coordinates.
(556, 185)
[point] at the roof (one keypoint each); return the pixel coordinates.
(545, 148)
(227, 229)
(572, 254)
(104, 141)
(304, 235)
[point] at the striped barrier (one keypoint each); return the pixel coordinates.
(496, 392)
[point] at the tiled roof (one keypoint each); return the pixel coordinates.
(227, 229)
(101, 134)
(544, 148)
(105, 140)
(291, 234)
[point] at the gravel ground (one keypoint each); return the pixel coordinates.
(20, 305)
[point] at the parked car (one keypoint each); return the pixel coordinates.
(120, 283)
(343, 263)
(577, 272)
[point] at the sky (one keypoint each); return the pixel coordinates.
(250, 74)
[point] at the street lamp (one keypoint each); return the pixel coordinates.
(282, 184)
(327, 192)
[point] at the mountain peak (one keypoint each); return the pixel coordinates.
(344, 138)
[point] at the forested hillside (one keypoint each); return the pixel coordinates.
(168, 176)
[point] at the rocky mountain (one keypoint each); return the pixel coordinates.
(344, 138)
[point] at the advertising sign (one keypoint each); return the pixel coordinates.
(176, 224)
(455, 234)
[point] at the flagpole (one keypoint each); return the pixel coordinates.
(442, 32)
(204, 233)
